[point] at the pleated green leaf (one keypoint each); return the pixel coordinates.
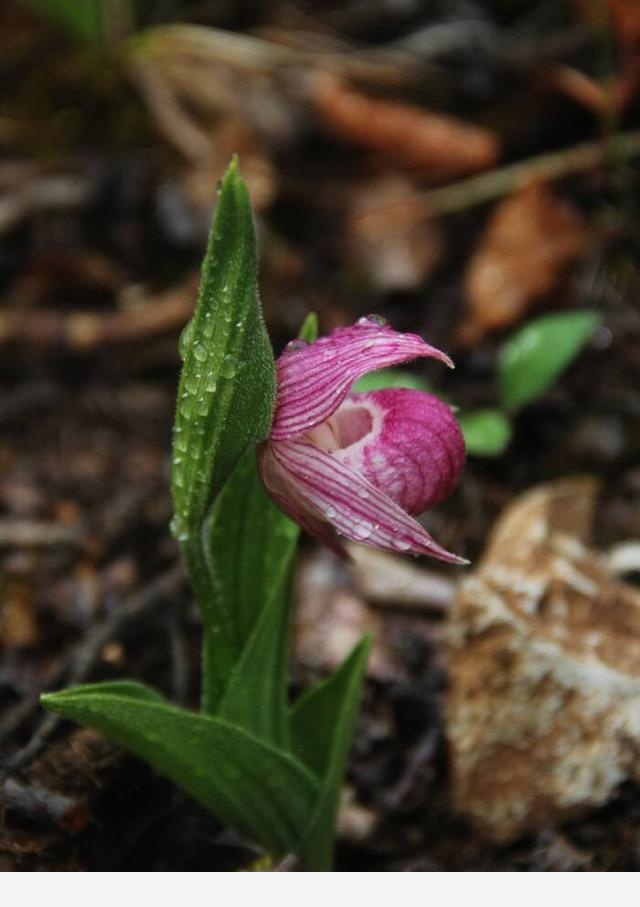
(266, 793)
(251, 548)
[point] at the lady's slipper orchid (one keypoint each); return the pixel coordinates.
(358, 464)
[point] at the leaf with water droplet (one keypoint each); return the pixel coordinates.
(227, 387)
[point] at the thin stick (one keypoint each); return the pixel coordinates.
(88, 652)
(497, 183)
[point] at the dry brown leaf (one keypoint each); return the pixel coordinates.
(411, 136)
(532, 239)
(543, 714)
(391, 238)
(151, 316)
(18, 624)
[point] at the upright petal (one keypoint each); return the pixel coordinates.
(314, 380)
(316, 489)
(414, 451)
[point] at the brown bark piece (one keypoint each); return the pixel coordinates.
(543, 714)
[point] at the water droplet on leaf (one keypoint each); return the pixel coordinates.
(228, 367)
(191, 383)
(185, 339)
(200, 352)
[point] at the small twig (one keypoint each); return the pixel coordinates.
(496, 183)
(58, 192)
(88, 652)
(37, 534)
(42, 803)
(255, 54)
(86, 331)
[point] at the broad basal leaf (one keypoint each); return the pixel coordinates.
(532, 359)
(248, 784)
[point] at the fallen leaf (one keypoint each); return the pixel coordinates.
(391, 238)
(531, 241)
(430, 142)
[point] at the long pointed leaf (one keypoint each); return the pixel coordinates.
(251, 551)
(264, 792)
(322, 723)
(226, 394)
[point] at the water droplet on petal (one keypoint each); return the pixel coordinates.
(401, 544)
(330, 512)
(372, 321)
(362, 530)
(294, 345)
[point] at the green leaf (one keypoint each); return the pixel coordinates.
(227, 387)
(531, 360)
(322, 724)
(487, 432)
(88, 21)
(264, 792)
(251, 549)
(390, 377)
(309, 329)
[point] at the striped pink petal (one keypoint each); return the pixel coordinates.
(315, 378)
(318, 490)
(413, 451)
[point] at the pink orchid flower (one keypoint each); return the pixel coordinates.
(358, 464)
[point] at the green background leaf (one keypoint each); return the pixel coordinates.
(390, 377)
(88, 21)
(531, 360)
(309, 329)
(487, 432)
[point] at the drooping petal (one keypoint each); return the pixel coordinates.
(414, 450)
(315, 488)
(286, 492)
(314, 380)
